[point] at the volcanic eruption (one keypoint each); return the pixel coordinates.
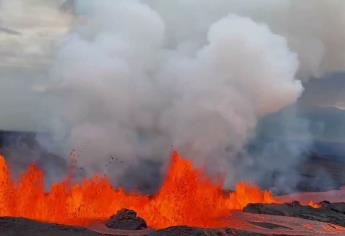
(229, 85)
(187, 197)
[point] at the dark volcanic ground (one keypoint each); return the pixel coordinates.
(240, 224)
(24, 227)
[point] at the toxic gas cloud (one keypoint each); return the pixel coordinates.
(131, 80)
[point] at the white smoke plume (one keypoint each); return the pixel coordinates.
(314, 29)
(129, 92)
(133, 79)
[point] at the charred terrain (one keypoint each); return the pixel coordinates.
(240, 224)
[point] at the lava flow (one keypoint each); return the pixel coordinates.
(187, 197)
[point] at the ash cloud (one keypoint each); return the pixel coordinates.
(126, 93)
(134, 79)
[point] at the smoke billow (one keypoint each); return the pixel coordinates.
(127, 93)
(314, 30)
(134, 79)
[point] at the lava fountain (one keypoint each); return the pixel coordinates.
(186, 197)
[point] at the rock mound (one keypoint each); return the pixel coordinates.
(126, 219)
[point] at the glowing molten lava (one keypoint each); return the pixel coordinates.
(187, 197)
(314, 205)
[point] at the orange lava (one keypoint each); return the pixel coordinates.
(314, 205)
(187, 197)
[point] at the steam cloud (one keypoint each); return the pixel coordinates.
(134, 79)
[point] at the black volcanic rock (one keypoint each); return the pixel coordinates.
(328, 212)
(336, 207)
(126, 219)
(190, 231)
(24, 227)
